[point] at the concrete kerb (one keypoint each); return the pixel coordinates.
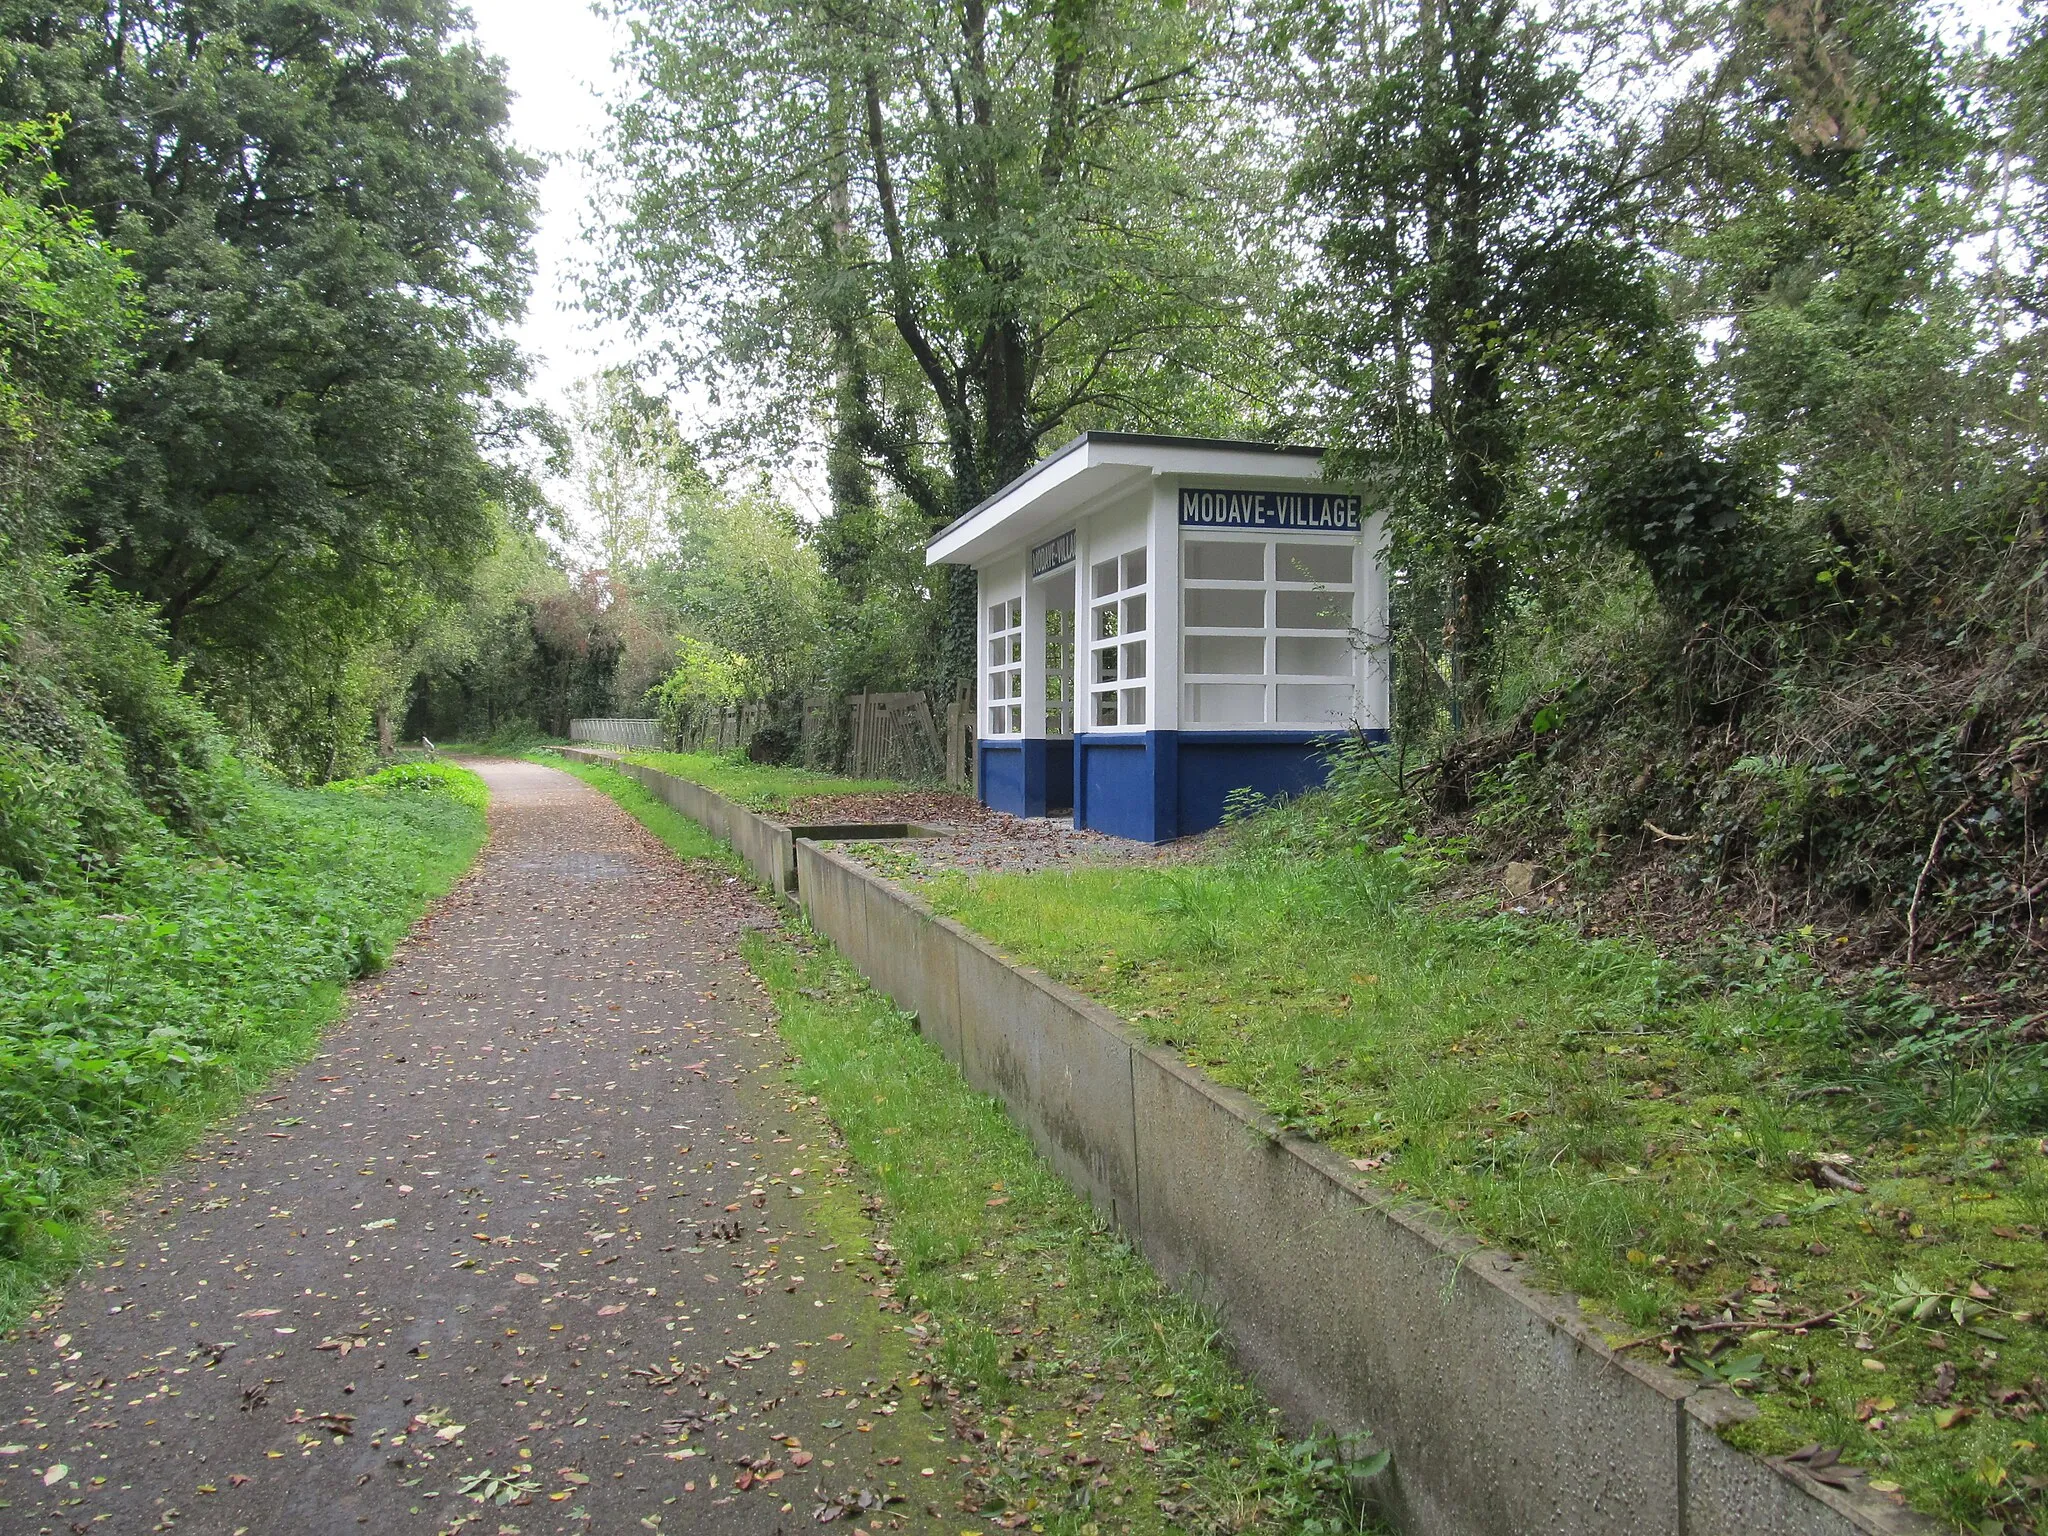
(1354, 1309)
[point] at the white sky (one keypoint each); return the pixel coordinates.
(558, 60)
(558, 57)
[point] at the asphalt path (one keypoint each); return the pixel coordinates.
(538, 1241)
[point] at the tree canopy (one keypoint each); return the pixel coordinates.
(329, 234)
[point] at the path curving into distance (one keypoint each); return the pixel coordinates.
(540, 1208)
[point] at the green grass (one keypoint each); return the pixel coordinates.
(514, 739)
(1656, 1144)
(758, 786)
(1040, 1324)
(137, 1009)
(683, 837)
(1039, 1312)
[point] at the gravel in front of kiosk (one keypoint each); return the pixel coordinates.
(972, 837)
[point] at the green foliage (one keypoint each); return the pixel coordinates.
(329, 233)
(971, 230)
(171, 982)
(101, 750)
(740, 577)
(401, 780)
(1480, 172)
(707, 678)
(65, 315)
(1681, 511)
(532, 648)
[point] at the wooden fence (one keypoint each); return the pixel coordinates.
(720, 730)
(864, 735)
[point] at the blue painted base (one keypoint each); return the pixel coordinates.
(1168, 784)
(1025, 777)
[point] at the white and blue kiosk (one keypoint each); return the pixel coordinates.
(1164, 620)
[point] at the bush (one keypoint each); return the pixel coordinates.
(101, 751)
(419, 778)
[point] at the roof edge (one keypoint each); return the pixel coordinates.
(1139, 439)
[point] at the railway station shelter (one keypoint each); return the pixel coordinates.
(1166, 620)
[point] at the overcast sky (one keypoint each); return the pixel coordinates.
(558, 57)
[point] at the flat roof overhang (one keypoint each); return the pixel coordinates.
(1091, 469)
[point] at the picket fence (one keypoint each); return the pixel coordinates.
(619, 733)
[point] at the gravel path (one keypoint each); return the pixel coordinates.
(541, 1210)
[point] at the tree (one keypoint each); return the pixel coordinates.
(969, 228)
(633, 467)
(1479, 170)
(1818, 235)
(331, 234)
(66, 314)
(741, 577)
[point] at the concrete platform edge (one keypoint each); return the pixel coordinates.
(1353, 1308)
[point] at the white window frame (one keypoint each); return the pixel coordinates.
(1120, 663)
(1269, 632)
(1060, 627)
(1002, 668)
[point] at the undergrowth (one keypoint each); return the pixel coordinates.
(1866, 761)
(174, 925)
(137, 1005)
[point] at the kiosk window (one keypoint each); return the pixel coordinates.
(1059, 672)
(1006, 667)
(1118, 622)
(1267, 630)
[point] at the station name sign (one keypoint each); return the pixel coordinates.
(1290, 511)
(1052, 554)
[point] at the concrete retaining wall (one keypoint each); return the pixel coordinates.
(1506, 1415)
(1504, 1411)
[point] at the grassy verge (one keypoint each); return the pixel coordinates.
(1708, 1166)
(758, 786)
(682, 837)
(137, 1010)
(514, 740)
(1090, 1398)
